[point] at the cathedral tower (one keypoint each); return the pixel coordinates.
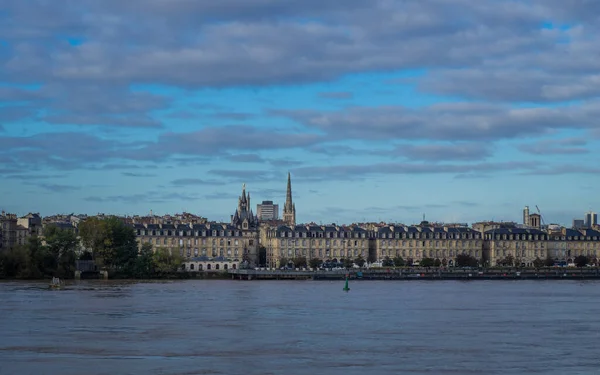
(289, 210)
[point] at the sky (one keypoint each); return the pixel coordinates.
(381, 110)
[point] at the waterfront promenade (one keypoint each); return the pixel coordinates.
(555, 273)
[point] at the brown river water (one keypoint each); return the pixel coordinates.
(300, 327)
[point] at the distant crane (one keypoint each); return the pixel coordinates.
(541, 217)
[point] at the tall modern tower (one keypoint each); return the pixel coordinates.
(289, 210)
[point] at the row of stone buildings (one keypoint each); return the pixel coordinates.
(214, 246)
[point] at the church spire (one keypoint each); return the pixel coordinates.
(289, 209)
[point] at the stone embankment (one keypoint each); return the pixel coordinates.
(421, 274)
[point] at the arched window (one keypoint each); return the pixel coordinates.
(192, 266)
(216, 266)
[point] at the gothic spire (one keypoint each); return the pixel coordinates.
(288, 196)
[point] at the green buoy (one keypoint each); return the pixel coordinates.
(346, 289)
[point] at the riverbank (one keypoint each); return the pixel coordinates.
(422, 274)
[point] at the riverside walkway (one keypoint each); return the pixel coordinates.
(419, 274)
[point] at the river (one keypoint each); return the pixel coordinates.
(300, 327)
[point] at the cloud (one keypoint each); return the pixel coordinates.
(73, 150)
(562, 169)
(149, 197)
(56, 188)
(246, 158)
(336, 95)
(352, 172)
(446, 121)
(567, 146)
(442, 152)
(263, 42)
(134, 174)
(238, 116)
(195, 181)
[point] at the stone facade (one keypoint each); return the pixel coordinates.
(328, 243)
(219, 242)
(414, 243)
(8, 226)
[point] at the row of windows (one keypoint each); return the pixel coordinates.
(321, 253)
(323, 234)
(517, 237)
(189, 233)
(437, 236)
(189, 242)
(430, 253)
(209, 266)
(320, 242)
(395, 243)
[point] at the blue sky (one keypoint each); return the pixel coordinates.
(381, 110)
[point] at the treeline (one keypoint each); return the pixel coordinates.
(109, 242)
(37, 259)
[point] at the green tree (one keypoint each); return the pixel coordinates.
(95, 237)
(348, 262)
(166, 261)
(444, 262)
(508, 261)
(62, 245)
(538, 263)
(549, 262)
(581, 261)
(437, 262)
(144, 265)
(399, 261)
(388, 262)
(315, 263)
(299, 262)
(283, 262)
(427, 262)
(13, 262)
(465, 260)
(360, 261)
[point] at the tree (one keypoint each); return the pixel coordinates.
(549, 262)
(360, 261)
(387, 262)
(398, 261)
(166, 261)
(62, 246)
(437, 262)
(315, 263)
(348, 262)
(445, 262)
(144, 265)
(465, 260)
(94, 235)
(427, 262)
(299, 262)
(508, 261)
(262, 256)
(581, 261)
(538, 263)
(283, 262)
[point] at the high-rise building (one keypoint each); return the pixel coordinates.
(526, 216)
(578, 224)
(289, 210)
(267, 210)
(591, 219)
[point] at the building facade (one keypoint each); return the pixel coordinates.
(267, 211)
(414, 243)
(327, 243)
(9, 228)
(204, 246)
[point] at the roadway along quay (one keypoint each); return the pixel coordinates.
(419, 274)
